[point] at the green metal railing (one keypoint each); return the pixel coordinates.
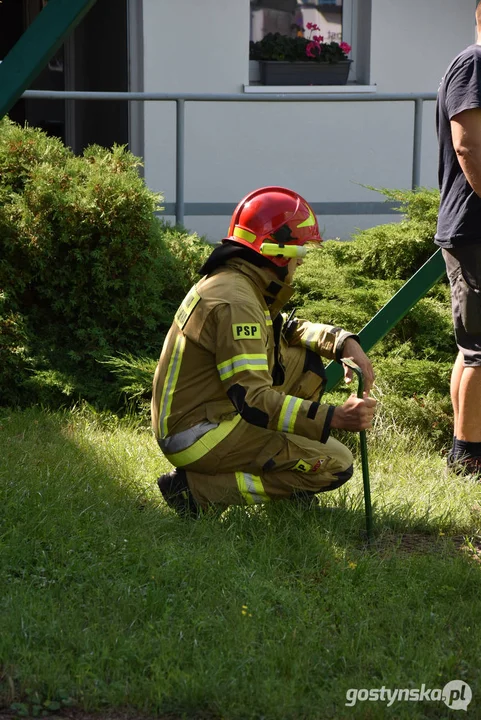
(36, 46)
(394, 311)
(181, 99)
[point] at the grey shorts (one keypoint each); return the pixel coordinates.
(463, 266)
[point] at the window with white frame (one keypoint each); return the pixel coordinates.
(338, 20)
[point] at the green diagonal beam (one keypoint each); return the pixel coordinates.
(36, 46)
(394, 311)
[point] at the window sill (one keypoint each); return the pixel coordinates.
(326, 89)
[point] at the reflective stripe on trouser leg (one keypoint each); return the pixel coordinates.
(251, 488)
(273, 458)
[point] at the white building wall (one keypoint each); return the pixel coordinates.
(413, 41)
(325, 151)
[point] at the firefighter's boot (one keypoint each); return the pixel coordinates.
(176, 493)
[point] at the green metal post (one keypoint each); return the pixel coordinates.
(397, 307)
(36, 46)
(364, 460)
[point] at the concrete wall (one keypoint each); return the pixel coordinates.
(325, 151)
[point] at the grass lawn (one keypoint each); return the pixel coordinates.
(109, 601)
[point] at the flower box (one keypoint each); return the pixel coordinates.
(300, 60)
(282, 72)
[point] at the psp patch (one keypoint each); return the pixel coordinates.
(246, 331)
(302, 466)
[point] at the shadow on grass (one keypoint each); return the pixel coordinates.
(111, 601)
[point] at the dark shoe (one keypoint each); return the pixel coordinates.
(464, 465)
(176, 493)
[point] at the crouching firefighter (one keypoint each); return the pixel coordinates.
(236, 394)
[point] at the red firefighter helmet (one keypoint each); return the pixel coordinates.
(275, 222)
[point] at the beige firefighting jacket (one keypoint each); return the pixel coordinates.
(220, 354)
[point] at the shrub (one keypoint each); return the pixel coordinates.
(13, 351)
(347, 283)
(186, 253)
(88, 270)
(413, 377)
(428, 416)
(399, 249)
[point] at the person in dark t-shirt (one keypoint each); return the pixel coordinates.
(458, 123)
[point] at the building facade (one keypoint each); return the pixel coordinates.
(327, 151)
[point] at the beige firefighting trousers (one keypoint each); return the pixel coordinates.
(254, 465)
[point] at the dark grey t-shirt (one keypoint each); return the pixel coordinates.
(459, 220)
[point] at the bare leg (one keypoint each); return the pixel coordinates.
(468, 424)
(456, 376)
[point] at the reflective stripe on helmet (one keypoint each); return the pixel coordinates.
(244, 234)
(310, 221)
(290, 251)
(242, 362)
(251, 488)
(289, 410)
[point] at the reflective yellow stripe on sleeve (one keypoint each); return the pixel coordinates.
(268, 317)
(310, 339)
(238, 363)
(187, 307)
(288, 415)
(170, 383)
(251, 488)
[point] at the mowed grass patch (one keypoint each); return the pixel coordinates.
(109, 601)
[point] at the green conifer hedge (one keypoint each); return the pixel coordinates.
(86, 271)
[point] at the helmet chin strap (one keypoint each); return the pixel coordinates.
(289, 251)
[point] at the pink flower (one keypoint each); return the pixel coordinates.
(345, 47)
(313, 49)
(312, 26)
(318, 38)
